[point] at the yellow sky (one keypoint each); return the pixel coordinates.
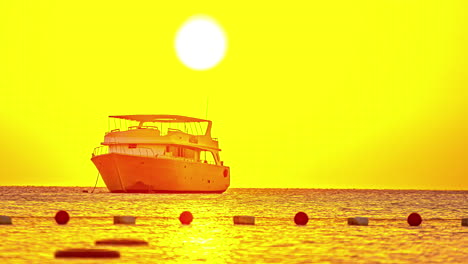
(341, 94)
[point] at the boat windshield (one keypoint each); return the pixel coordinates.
(193, 128)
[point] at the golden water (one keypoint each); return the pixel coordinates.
(212, 237)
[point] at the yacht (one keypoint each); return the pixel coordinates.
(160, 154)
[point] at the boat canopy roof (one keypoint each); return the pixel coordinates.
(160, 118)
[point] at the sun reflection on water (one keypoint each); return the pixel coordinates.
(213, 238)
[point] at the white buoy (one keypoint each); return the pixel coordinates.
(244, 220)
(126, 220)
(5, 220)
(358, 221)
(465, 222)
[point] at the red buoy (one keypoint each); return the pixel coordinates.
(414, 219)
(301, 218)
(62, 217)
(186, 217)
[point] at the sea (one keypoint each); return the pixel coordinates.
(212, 237)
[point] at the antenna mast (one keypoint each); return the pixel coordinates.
(206, 113)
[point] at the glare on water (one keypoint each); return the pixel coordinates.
(213, 238)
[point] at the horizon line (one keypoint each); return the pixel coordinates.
(305, 188)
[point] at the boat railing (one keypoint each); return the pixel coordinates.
(142, 127)
(123, 149)
(208, 162)
(101, 150)
(141, 152)
(188, 160)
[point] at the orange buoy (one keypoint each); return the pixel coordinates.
(414, 219)
(301, 218)
(186, 217)
(62, 217)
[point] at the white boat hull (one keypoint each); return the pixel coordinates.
(129, 173)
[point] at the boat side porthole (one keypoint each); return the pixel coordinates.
(225, 173)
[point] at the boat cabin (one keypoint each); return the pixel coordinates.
(161, 136)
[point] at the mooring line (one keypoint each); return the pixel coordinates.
(95, 184)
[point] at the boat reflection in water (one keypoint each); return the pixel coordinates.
(161, 154)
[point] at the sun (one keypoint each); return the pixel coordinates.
(200, 43)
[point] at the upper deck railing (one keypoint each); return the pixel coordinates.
(163, 128)
(142, 152)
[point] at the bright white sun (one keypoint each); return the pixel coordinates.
(200, 43)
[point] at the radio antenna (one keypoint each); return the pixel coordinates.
(206, 113)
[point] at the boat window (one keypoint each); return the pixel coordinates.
(207, 157)
(180, 152)
(189, 153)
(172, 151)
(176, 151)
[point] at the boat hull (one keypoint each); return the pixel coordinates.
(135, 174)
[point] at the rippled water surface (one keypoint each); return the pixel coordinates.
(212, 237)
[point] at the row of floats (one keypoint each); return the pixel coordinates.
(185, 218)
